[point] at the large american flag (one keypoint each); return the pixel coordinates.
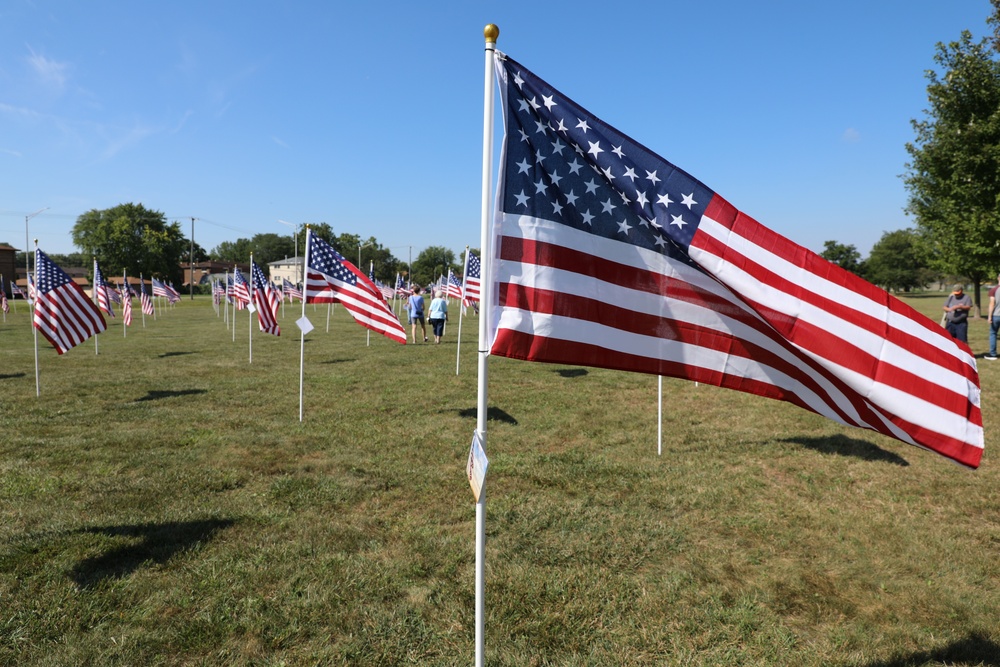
(332, 279)
(265, 301)
(102, 292)
(609, 255)
(471, 282)
(64, 314)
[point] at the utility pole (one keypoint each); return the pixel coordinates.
(191, 277)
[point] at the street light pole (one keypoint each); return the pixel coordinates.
(27, 246)
(191, 276)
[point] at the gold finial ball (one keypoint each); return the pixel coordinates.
(491, 32)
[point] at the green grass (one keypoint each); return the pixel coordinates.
(161, 504)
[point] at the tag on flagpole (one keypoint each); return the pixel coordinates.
(304, 324)
(477, 465)
(251, 308)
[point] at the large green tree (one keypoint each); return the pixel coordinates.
(953, 178)
(898, 262)
(432, 262)
(130, 237)
(846, 256)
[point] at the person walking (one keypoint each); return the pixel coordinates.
(438, 315)
(415, 309)
(956, 309)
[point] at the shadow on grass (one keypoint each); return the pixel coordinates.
(155, 395)
(571, 372)
(173, 354)
(844, 446)
(492, 414)
(154, 543)
(973, 650)
(10, 376)
(337, 361)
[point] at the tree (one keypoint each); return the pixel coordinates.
(234, 252)
(897, 261)
(432, 262)
(133, 238)
(954, 176)
(844, 256)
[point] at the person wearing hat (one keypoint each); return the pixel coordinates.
(956, 311)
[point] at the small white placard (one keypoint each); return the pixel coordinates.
(478, 463)
(251, 308)
(304, 324)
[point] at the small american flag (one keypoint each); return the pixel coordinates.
(265, 300)
(64, 314)
(144, 301)
(241, 291)
(454, 287)
(402, 289)
(291, 290)
(159, 289)
(472, 280)
(332, 279)
(16, 291)
(609, 255)
(126, 304)
(102, 292)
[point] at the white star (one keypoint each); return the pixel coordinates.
(587, 217)
(623, 227)
(558, 146)
(518, 80)
(523, 166)
(607, 172)
(595, 148)
(591, 187)
(689, 201)
(541, 127)
(574, 167)
(624, 198)
(571, 198)
(534, 105)
(651, 176)
(557, 207)
(548, 102)
(678, 221)
(524, 136)
(522, 199)
(617, 150)
(640, 198)
(540, 186)
(608, 206)
(539, 157)
(664, 199)
(555, 178)
(524, 104)
(583, 125)
(562, 127)
(630, 173)
(660, 241)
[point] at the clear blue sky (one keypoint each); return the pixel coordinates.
(368, 115)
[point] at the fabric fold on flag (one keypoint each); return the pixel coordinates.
(332, 279)
(608, 255)
(64, 314)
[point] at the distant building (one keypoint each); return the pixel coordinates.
(289, 268)
(205, 272)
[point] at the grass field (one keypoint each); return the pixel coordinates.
(161, 504)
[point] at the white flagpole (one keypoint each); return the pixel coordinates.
(225, 300)
(461, 309)
(302, 339)
(234, 304)
(659, 416)
(31, 312)
(329, 307)
(125, 296)
(250, 314)
(490, 33)
(94, 297)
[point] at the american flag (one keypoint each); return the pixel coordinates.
(472, 279)
(265, 300)
(608, 255)
(241, 291)
(4, 306)
(64, 314)
(454, 287)
(31, 287)
(291, 290)
(16, 291)
(159, 289)
(218, 291)
(402, 289)
(173, 296)
(126, 304)
(102, 292)
(144, 301)
(327, 271)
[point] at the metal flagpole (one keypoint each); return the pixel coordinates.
(302, 340)
(225, 301)
(371, 272)
(659, 416)
(490, 32)
(125, 296)
(461, 309)
(250, 313)
(93, 296)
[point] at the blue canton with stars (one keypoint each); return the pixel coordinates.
(565, 165)
(325, 259)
